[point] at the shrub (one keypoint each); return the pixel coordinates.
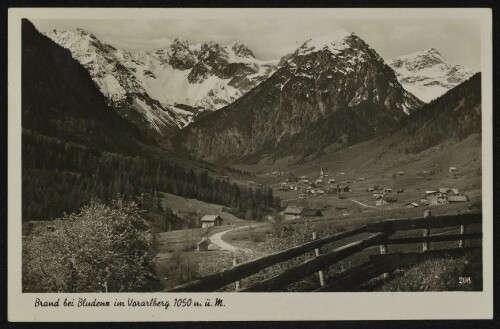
(103, 248)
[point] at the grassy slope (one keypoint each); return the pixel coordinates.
(176, 248)
(377, 162)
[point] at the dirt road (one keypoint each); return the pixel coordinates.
(362, 204)
(223, 245)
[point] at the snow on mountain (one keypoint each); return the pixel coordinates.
(350, 55)
(332, 88)
(167, 88)
(334, 42)
(427, 75)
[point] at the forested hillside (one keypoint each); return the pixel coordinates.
(75, 148)
(455, 115)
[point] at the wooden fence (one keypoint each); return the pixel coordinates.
(379, 234)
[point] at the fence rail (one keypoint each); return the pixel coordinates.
(381, 233)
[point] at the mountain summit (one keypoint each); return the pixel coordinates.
(164, 90)
(333, 42)
(427, 75)
(332, 88)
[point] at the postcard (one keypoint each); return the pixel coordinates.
(205, 164)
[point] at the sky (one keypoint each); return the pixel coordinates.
(458, 40)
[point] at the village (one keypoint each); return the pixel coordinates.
(339, 196)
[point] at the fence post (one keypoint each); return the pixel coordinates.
(427, 231)
(383, 251)
(237, 283)
(320, 273)
(463, 230)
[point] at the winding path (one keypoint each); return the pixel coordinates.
(362, 204)
(223, 245)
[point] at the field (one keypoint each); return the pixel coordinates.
(177, 259)
(374, 161)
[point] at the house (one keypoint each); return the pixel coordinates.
(391, 199)
(342, 196)
(457, 198)
(380, 201)
(424, 202)
(361, 179)
(401, 190)
(376, 194)
(312, 213)
(453, 169)
(370, 189)
(302, 196)
(211, 221)
(401, 173)
(437, 199)
(449, 191)
(412, 205)
(319, 192)
(319, 181)
(431, 192)
(344, 189)
(387, 190)
(293, 212)
(331, 181)
(203, 245)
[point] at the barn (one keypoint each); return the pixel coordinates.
(203, 245)
(437, 199)
(412, 205)
(211, 221)
(293, 212)
(449, 191)
(457, 198)
(309, 212)
(380, 201)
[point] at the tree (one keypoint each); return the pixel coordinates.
(103, 248)
(277, 221)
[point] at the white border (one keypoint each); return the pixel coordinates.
(251, 306)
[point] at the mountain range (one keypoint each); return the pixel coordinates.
(165, 89)
(427, 75)
(333, 88)
(332, 92)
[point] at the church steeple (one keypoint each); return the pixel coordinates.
(321, 172)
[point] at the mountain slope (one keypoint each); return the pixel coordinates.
(328, 81)
(59, 99)
(427, 75)
(167, 88)
(453, 116)
(76, 148)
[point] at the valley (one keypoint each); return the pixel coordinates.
(209, 157)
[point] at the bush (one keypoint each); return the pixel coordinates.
(103, 248)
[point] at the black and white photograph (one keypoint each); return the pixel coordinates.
(294, 154)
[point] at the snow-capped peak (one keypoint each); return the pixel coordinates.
(180, 42)
(241, 50)
(427, 74)
(167, 87)
(334, 42)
